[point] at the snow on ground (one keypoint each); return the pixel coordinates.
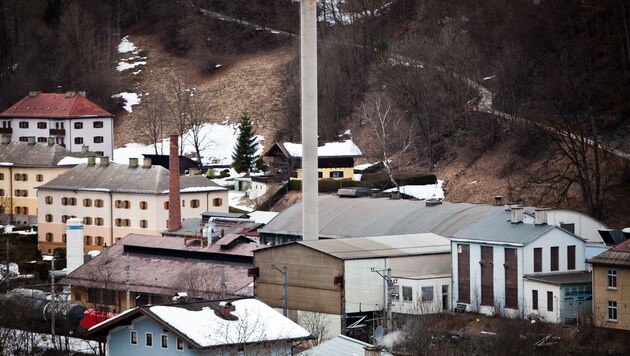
(70, 161)
(218, 142)
(429, 191)
(126, 46)
(129, 98)
(44, 341)
(262, 217)
(331, 149)
(240, 201)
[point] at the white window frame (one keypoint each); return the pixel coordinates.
(179, 344)
(133, 333)
(163, 337)
(410, 294)
(611, 276)
(146, 339)
(612, 307)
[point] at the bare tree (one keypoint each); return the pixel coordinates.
(198, 282)
(393, 135)
(316, 323)
(198, 108)
(152, 121)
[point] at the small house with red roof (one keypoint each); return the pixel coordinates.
(611, 287)
(71, 119)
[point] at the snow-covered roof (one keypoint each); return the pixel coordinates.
(71, 161)
(331, 149)
(428, 191)
(202, 324)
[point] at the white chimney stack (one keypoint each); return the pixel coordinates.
(74, 238)
(540, 215)
(517, 214)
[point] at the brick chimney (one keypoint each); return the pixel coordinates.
(174, 207)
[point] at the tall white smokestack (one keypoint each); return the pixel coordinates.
(75, 243)
(308, 60)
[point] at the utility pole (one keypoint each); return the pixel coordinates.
(223, 286)
(128, 280)
(386, 273)
(285, 308)
(52, 297)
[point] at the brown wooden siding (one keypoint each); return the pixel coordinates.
(487, 276)
(511, 278)
(463, 273)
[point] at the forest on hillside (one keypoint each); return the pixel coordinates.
(559, 69)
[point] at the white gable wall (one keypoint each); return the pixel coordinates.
(561, 239)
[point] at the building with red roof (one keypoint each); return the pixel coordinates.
(71, 119)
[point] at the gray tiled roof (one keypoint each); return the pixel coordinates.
(496, 227)
(21, 154)
(361, 217)
(121, 178)
(562, 278)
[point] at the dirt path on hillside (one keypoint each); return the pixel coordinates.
(244, 84)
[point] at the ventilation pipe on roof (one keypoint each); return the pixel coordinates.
(146, 163)
(33, 93)
(91, 161)
(82, 93)
(6, 140)
(133, 162)
(31, 140)
(225, 308)
(498, 200)
(50, 141)
(517, 214)
(372, 351)
(540, 216)
(85, 149)
(174, 205)
(71, 94)
(104, 161)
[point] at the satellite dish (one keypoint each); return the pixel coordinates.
(378, 333)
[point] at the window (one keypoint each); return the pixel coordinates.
(427, 294)
(143, 205)
(180, 344)
(99, 240)
(39, 178)
(42, 139)
(98, 221)
(17, 176)
(148, 338)
(49, 237)
(164, 341)
(144, 224)
(194, 203)
(394, 292)
(87, 220)
(511, 278)
(612, 310)
(569, 227)
(64, 238)
(41, 125)
(118, 204)
(78, 125)
(98, 203)
(217, 202)
(612, 279)
(183, 203)
(64, 201)
(109, 297)
(118, 222)
(25, 210)
(550, 301)
(68, 201)
(1, 192)
(23, 139)
(87, 202)
(554, 258)
(165, 205)
(133, 335)
(18, 210)
(320, 175)
(336, 174)
(97, 124)
(49, 218)
(463, 273)
(126, 204)
(571, 257)
(88, 239)
(126, 222)
(534, 299)
(23, 124)
(64, 218)
(1, 176)
(407, 294)
(487, 275)
(94, 295)
(98, 139)
(78, 140)
(538, 259)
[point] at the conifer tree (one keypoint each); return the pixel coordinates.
(244, 156)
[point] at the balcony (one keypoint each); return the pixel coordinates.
(57, 132)
(6, 130)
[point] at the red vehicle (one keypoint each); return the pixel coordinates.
(92, 317)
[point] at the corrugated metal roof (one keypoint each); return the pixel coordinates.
(121, 178)
(52, 105)
(341, 346)
(360, 217)
(21, 154)
(382, 246)
(153, 273)
(496, 227)
(618, 255)
(562, 278)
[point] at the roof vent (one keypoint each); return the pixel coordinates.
(146, 163)
(104, 162)
(133, 162)
(31, 140)
(540, 216)
(71, 94)
(517, 214)
(33, 93)
(85, 149)
(91, 161)
(6, 140)
(82, 93)
(50, 141)
(498, 200)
